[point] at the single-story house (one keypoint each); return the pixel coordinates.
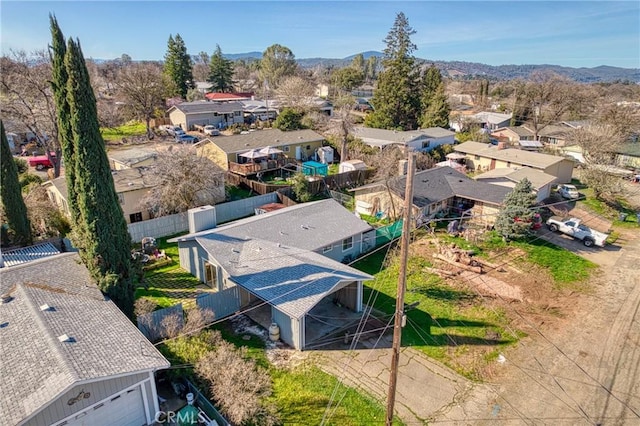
(131, 186)
(541, 181)
(289, 259)
(485, 120)
(418, 140)
(364, 91)
(131, 158)
(483, 157)
(69, 355)
(435, 191)
(255, 109)
(553, 135)
(512, 134)
(220, 114)
(295, 145)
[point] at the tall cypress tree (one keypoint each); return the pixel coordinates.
(57, 52)
(11, 192)
(178, 66)
(434, 105)
(397, 98)
(101, 231)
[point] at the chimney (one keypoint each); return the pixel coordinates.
(402, 167)
(201, 218)
(502, 145)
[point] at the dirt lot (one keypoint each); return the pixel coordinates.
(578, 366)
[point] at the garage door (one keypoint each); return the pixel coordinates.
(124, 409)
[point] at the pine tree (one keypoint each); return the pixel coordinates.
(434, 106)
(100, 231)
(397, 98)
(515, 218)
(11, 193)
(437, 112)
(57, 52)
(178, 66)
(220, 72)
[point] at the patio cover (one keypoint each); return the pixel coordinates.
(254, 153)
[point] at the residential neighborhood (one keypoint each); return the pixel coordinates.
(271, 239)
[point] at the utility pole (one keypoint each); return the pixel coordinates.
(402, 285)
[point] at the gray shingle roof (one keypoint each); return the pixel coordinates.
(538, 178)
(36, 367)
(28, 254)
(517, 156)
(291, 279)
(435, 185)
(393, 136)
(132, 156)
(263, 138)
(199, 107)
(309, 226)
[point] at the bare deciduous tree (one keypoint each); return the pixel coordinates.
(342, 123)
(45, 218)
(296, 92)
(27, 99)
(185, 179)
(239, 385)
(141, 87)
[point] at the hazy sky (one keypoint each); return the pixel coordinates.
(571, 33)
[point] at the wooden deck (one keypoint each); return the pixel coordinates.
(252, 168)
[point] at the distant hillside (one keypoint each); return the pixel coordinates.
(461, 69)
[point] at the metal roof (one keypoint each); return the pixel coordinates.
(203, 107)
(36, 366)
(27, 254)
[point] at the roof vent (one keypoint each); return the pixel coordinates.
(130, 183)
(46, 307)
(235, 250)
(304, 226)
(6, 298)
(66, 339)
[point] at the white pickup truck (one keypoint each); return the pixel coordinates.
(574, 228)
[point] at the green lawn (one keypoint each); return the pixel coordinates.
(170, 284)
(301, 394)
(446, 321)
(132, 128)
(610, 210)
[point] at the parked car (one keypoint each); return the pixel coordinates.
(184, 138)
(211, 130)
(41, 162)
(577, 230)
(569, 192)
(172, 130)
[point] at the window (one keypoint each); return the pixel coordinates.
(508, 163)
(347, 244)
(211, 275)
(135, 217)
(121, 198)
(308, 147)
(426, 144)
(237, 113)
(327, 248)
(476, 157)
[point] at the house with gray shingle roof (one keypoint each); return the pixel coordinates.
(296, 145)
(435, 191)
(69, 355)
(483, 157)
(219, 114)
(541, 181)
(289, 259)
(419, 140)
